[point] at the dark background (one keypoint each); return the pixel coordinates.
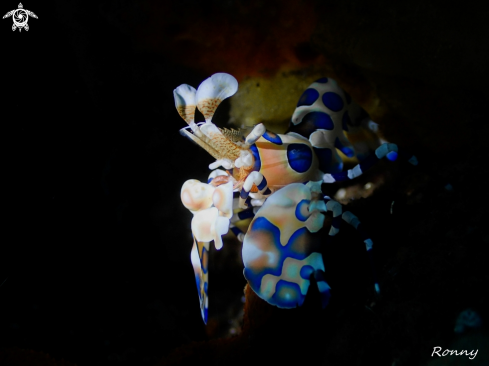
(94, 258)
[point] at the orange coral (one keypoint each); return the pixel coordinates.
(243, 38)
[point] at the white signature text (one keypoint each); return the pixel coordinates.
(438, 351)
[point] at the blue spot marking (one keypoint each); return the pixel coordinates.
(244, 195)
(306, 272)
(197, 281)
(338, 177)
(268, 191)
(272, 137)
(293, 249)
(262, 224)
(299, 157)
(323, 287)
(346, 121)
(324, 291)
(256, 156)
(299, 208)
(202, 267)
(308, 97)
(333, 101)
(205, 288)
(322, 80)
(263, 184)
(320, 120)
(236, 231)
(348, 151)
(205, 315)
(287, 295)
(246, 214)
(319, 275)
(392, 156)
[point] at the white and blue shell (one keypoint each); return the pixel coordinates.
(279, 253)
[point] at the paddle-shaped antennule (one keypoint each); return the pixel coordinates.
(209, 95)
(212, 91)
(185, 102)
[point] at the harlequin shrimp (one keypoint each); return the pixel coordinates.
(278, 178)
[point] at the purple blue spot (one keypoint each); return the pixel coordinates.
(236, 231)
(205, 314)
(204, 255)
(306, 272)
(197, 281)
(324, 291)
(338, 177)
(308, 97)
(256, 156)
(319, 275)
(262, 184)
(246, 214)
(333, 101)
(299, 157)
(287, 295)
(348, 151)
(272, 137)
(319, 120)
(392, 156)
(323, 287)
(304, 204)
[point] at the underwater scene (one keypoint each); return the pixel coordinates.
(244, 183)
